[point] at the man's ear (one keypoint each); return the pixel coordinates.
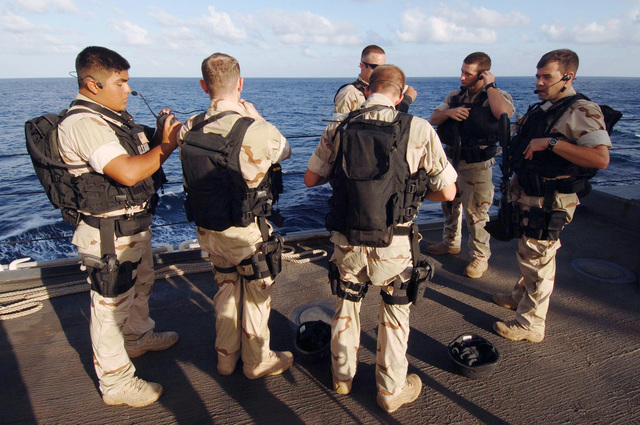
(240, 84)
(367, 92)
(399, 99)
(204, 86)
(92, 86)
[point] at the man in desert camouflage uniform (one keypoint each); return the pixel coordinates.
(474, 110)
(97, 135)
(242, 303)
(566, 153)
(350, 97)
(381, 267)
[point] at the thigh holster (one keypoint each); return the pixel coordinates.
(544, 225)
(108, 276)
(267, 261)
(338, 285)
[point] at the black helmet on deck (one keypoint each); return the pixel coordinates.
(474, 356)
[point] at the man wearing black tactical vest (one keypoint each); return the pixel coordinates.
(117, 175)
(558, 145)
(467, 123)
(230, 156)
(381, 164)
(350, 97)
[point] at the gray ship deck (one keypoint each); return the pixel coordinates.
(585, 371)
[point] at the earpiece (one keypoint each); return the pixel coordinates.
(566, 78)
(99, 85)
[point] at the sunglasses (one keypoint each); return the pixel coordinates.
(370, 65)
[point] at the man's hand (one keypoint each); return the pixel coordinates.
(536, 145)
(251, 110)
(459, 114)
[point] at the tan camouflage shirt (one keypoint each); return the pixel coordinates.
(87, 139)
(349, 99)
(263, 145)
(424, 149)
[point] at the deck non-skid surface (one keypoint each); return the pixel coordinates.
(584, 372)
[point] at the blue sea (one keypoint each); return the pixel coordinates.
(30, 227)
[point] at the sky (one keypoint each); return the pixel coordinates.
(323, 38)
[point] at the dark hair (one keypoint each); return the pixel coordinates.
(482, 59)
(369, 50)
(567, 60)
(96, 59)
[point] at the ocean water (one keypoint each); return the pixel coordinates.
(298, 107)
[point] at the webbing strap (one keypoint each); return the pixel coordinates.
(231, 269)
(199, 121)
(107, 236)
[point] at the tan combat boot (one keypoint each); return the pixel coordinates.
(135, 393)
(441, 248)
(157, 341)
(409, 393)
(476, 268)
(514, 331)
(278, 362)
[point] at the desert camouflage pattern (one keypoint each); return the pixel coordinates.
(474, 197)
(379, 266)
(349, 99)
(88, 140)
(122, 319)
(584, 125)
(242, 306)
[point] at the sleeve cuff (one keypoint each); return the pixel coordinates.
(104, 154)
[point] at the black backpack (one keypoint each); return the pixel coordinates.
(42, 144)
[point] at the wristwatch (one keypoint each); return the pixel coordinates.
(552, 143)
(488, 86)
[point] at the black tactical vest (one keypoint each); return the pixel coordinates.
(218, 196)
(480, 128)
(89, 192)
(538, 123)
(373, 189)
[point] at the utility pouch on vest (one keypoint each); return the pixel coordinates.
(373, 238)
(420, 277)
(134, 225)
(543, 225)
(334, 277)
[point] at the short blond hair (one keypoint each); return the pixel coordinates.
(220, 73)
(387, 79)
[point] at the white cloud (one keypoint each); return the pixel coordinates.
(622, 29)
(132, 33)
(307, 27)
(46, 6)
(419, 27)
(221, 27)
(480, 17)
(163, 17)
(14, 23)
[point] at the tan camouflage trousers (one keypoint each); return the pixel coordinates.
(125, 317)
(474, 197)
(380, 266)
(242, 313)
(242, 306)
(537, 261)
